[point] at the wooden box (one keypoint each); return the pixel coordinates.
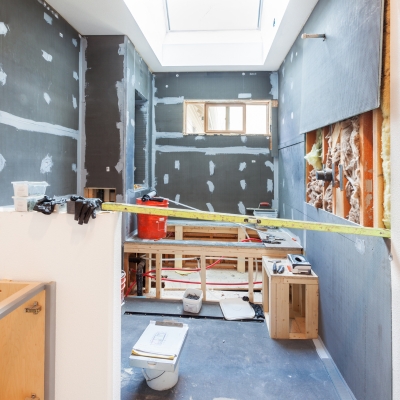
(290, 303)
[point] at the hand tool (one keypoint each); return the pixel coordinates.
(274, 268)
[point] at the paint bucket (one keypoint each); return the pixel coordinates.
(152, 226)
(161, 380)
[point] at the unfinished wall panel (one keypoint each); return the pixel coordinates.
(355, 298)
(39, 98)
(224, 173)
(341, 75)
(104, 83)
(118, 80)
(354, 272)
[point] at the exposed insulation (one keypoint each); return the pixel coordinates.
(314, 190)
(350, 155)
(314, 156)
(385, 106)
(328, 198)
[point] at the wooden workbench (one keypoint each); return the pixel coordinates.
(285, 320)
(242, 250)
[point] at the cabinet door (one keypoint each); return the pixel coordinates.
(22, 351)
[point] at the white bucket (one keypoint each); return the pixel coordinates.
(161, 380)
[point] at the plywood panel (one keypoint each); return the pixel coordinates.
(22, 346)
(9, 288)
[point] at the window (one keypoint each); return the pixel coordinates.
(211, 15)
(212, 117)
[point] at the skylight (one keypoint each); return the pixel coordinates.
(213, 15)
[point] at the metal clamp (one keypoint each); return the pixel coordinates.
(35, 309)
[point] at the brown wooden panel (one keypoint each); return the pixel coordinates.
(377, 168)
(366, 170)
(22, 349)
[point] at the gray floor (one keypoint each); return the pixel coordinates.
(228, 360)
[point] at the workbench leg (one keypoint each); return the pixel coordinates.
(158, 275)
(265, 290)
(296, 297)
(311, 311)
(303, 300)
(250, 267)
(148, 267)
(178, 236)
(279, 320)
(203, 276)
(241, 262)
(126, 270)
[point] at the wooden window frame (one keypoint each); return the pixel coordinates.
(225, 103)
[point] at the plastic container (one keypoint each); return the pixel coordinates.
(192, 306)
(161, 380)
(152, 226)
(25, 203)
(25, 188)
(266, 213)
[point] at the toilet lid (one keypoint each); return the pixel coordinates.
(236, 308)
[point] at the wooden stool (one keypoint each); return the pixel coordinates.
(289, 320)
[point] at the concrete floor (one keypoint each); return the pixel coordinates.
(229, 360)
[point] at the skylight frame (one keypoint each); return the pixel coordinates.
(168, 22)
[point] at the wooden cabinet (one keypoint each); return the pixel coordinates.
(24, 364)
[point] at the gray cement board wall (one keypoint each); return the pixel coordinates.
(39, 97)
(354, 272)
(336, 78)
(355, 303)
(105, 68)
(213, 172)
(115, 71)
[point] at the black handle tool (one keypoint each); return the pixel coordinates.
(274, 268)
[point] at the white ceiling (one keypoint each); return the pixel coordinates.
(145, 23)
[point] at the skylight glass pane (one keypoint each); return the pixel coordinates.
(212, 15)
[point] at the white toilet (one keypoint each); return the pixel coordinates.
(158, 351)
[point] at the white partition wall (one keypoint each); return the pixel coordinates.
(85, 263)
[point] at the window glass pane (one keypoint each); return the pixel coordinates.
(216, 118)
(256, 119)
(235, 118)
(195, 118)
(212, 15)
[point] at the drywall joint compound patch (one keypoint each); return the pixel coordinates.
(3, 29)
(46, 164)
(48, 19)
(2, 162)
(48, 57)
(3, 76)
(242, 208)
(212, 168)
